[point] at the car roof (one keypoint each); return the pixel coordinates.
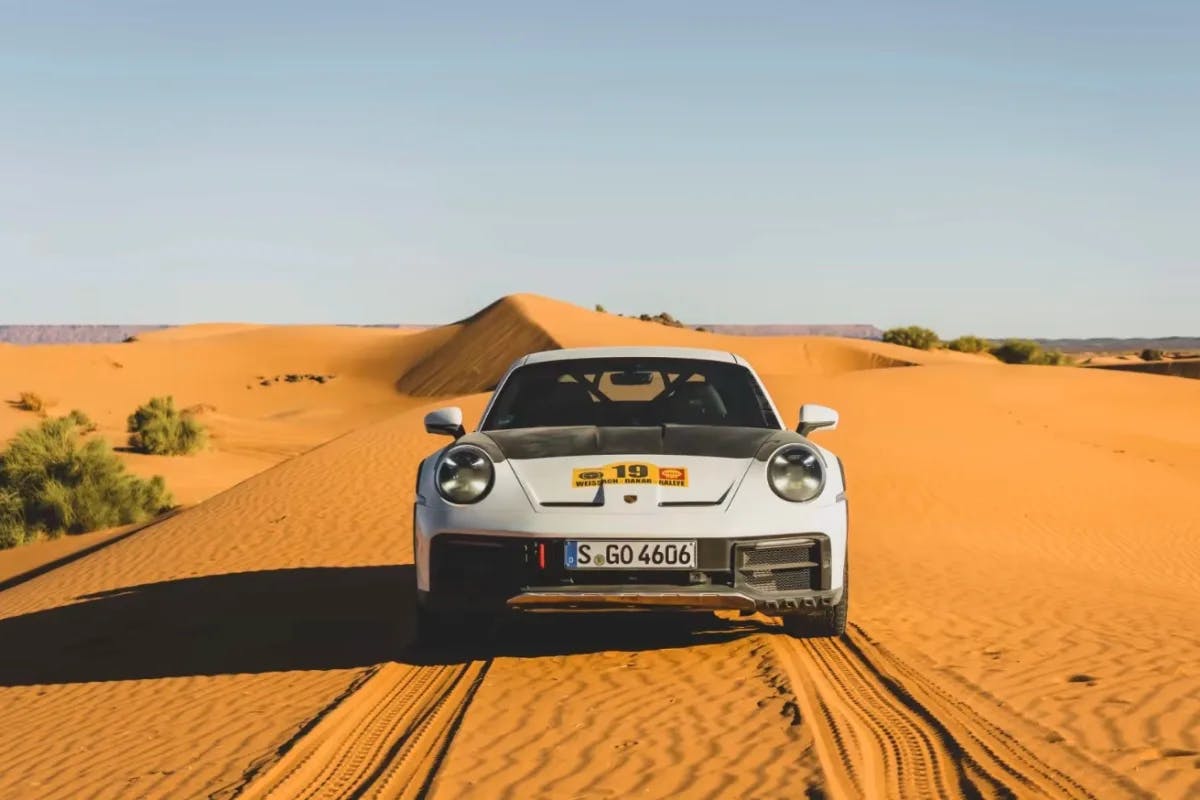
(571, 353)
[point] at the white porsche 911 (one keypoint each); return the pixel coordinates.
(631, 478)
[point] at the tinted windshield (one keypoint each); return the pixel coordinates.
(630, 391)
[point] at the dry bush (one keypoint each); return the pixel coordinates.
(1027, 351)
(158, 428)
(82, 420)
(969, 344)
(30, 401)
(912, 336)
(52, 482)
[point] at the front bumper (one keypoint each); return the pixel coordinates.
(772, 574)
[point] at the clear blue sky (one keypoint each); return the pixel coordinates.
(1020, 167)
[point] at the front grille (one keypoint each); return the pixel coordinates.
(475, 568)
(792, 565)
(801, 553)
(783, 580)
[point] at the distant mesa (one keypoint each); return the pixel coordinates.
(1110, 345)
(846, 331)
(108, 334)
(72, 334)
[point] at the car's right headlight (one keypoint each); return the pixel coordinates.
(464, 474)
(796, 473)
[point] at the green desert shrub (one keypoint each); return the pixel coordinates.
(1017, 351)
(160, 429)
(82, 420)
(52, 482)
(662, 318)
(1152, 354)
(1027, 351)
(912, 336)
(1054, 358)
(969, 344)
(29, 401)
(12, 519)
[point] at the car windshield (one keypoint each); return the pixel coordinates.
(630, 391)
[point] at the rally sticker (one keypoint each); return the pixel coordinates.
(625, 472)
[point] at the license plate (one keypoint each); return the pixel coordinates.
(630, 554)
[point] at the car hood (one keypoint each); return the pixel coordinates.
(563, 483)
(629, 470)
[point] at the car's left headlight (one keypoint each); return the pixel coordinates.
(464, 474)
(796, 473)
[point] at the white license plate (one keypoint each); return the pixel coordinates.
(631, 554)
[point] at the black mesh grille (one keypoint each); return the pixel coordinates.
(782, 580)
(754, 557)
(779, 568)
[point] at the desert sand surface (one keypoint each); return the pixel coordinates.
(1025, 619)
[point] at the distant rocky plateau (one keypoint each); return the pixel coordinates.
(71, 334)
(849, 331)
(76, 334)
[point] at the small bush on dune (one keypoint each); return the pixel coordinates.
(1026, 351)
(912, 336)
(1054, 358)
(51, 483)
(1017, 351)
(28, 401)
(1152, 354)
(969, 344)
(662, 318)
(158, 428)
(82, 420)
(12, 519)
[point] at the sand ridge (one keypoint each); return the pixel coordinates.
(1023, 561)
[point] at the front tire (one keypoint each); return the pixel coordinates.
(827, 621)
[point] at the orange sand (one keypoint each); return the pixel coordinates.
(1026, 591)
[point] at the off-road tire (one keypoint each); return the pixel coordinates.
(826, 621)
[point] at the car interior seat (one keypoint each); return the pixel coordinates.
(568, 403)
(695, 403)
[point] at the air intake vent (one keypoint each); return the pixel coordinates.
(779, 566)
(783, 580)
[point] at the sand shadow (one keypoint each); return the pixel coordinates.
(541, 635)
(287, 619)
(293, 619)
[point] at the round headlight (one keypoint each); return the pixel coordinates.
(796, 473)
(465, 474)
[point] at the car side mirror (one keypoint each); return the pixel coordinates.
(445, 422)
(814, 417)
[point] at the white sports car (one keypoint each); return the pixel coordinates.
(631, 478)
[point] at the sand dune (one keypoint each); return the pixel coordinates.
(221, 369)
(1026, 585)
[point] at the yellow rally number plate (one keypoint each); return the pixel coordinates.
(629, 472)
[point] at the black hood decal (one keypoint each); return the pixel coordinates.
(679, 440)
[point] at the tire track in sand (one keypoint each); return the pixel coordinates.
(883, 730)
(386, 740)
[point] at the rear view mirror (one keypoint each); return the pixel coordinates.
(632, 378)
(814, 417)
(445, 421)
